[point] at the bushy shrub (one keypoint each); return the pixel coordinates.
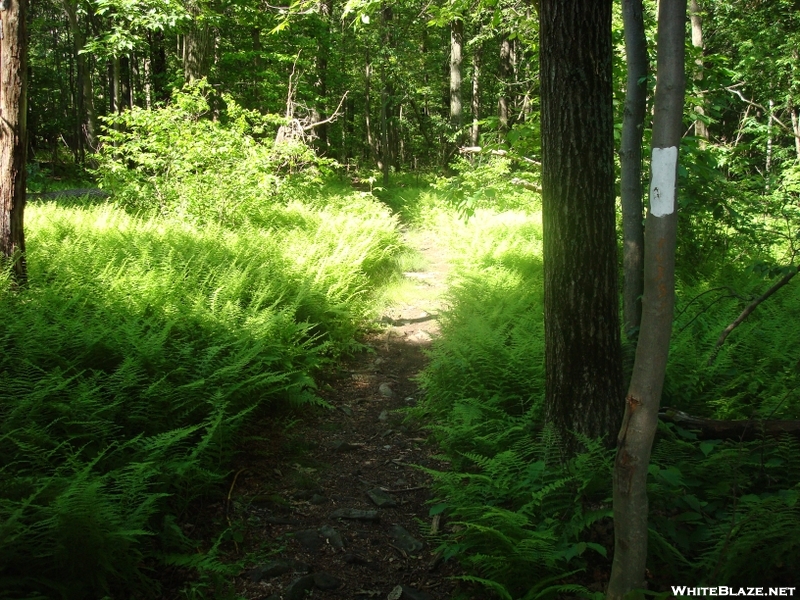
(179, 161)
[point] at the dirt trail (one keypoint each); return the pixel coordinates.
(311, 493)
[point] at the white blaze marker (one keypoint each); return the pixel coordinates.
(662, 185)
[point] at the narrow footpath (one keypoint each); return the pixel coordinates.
(341, 495)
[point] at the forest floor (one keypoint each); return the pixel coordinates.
(340, 500)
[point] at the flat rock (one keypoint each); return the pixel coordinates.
(381, 498)
(310, 539)
(355, 514)
(298, 589)
(326, 582)
(404, 540)
(333, 537)
(271, 569)
(386, 390)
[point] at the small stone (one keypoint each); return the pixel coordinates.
(318, 499)
(333, 537)
(346, 410)
(396, 593)
(326, 582)
(404, 540)
(298, 566)
(384, 416)
(386, 390)
(355, 559)
(355, 514)
(379, 361)
(381, 498)
(298, 589)
(269, 570)
(410, 593)
(401, 482)
(309, 539)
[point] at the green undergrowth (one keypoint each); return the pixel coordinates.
(527, 525)
(139, 348)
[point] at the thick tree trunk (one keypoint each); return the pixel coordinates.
(583, 390)
(696, 17)
(635, 439)
(474, 133)
(158, 66)
(13, 136)
(630, 156)
(197, 46)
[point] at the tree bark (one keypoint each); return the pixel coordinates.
(506, 75)
(630, 156)
(696, 17)
(476, 97)
(197, 46)
(85, 90)
(13, 136)
(635, 439)
(583, 387)
(386, 96)
(456, 54)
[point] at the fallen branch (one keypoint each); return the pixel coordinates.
(748, 310)
(528, 185)
(742, 430)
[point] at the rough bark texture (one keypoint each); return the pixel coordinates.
(197, 46)
(635, 439)
(476, 97)
(506, 77)
(582, 333)
(630, 156)
(456, 53)
(13, 134)
(85, 90)
(696, 17)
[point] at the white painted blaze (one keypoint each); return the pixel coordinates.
(662, 183)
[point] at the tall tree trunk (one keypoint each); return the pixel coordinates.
(630, 156)
(635, 439)
(795, 126)
(696, 17)
(583, 356)
(474, 133)
(386, 96)
(158, 66)
(324, 9)
(86, 109)
(197, 46)
(116, 85)
(456, 57)
(13, 135)
(506, 75)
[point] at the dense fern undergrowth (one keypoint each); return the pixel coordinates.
(146, 338)
(528, 526)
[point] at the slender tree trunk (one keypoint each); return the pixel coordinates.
(476, 97)
(116, 86)
(583, 357)
(386, 96)
(506, 75)
(88, 115)
(768, 163)
(630, 156)
(324, 8)
(696, 17)
(456, 57)
(795, 127)
(635, 439)
(368, 109)
(158, 67)
(13, 135)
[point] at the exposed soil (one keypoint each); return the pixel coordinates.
(286, 495)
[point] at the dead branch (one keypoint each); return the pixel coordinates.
(330, 119)
(740, 430)
(788, 129)
(748, 310)
(528, 185)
